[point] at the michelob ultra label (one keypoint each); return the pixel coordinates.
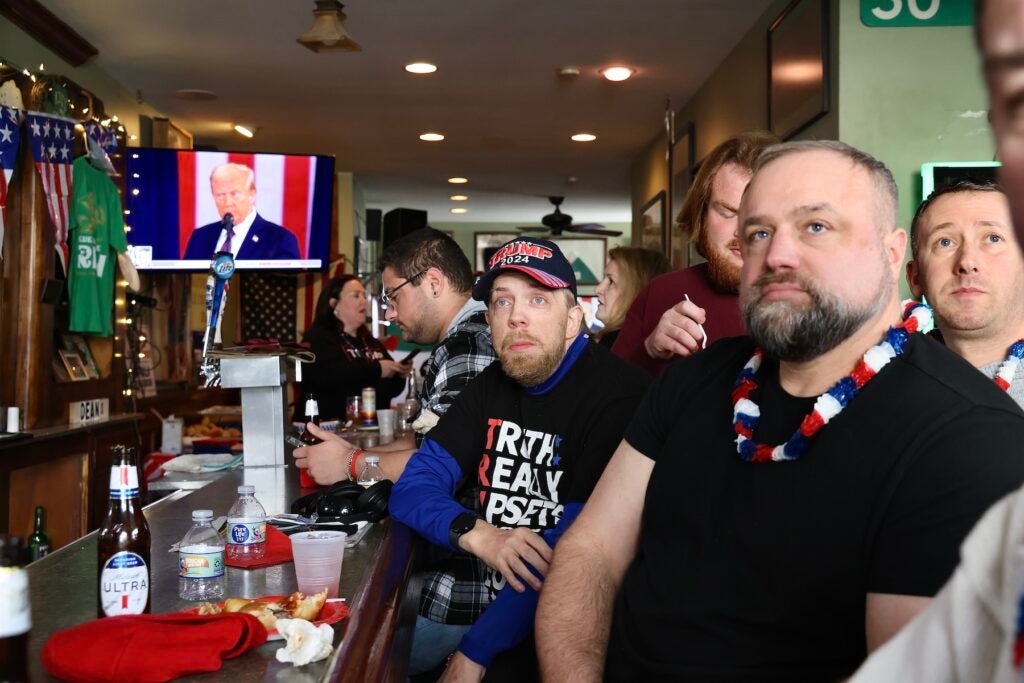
(244, 532)
(124, 584)
(124, 482)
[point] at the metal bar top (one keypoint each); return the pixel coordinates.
(63, 586)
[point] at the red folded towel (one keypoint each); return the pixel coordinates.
(150, 647)
(279, 550)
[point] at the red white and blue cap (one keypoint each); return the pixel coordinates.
(540, 259)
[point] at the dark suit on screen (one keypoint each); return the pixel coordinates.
(264, 241)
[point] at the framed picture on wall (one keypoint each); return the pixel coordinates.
(74, 366)
(681, 173)
(586, 255)
(652, 224)
(486, 243)
(798, 61)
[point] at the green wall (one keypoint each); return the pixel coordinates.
(911, 95)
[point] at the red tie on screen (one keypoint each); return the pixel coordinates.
(226, 246)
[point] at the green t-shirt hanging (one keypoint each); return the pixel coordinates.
(97, 232)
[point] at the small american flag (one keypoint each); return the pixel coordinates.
(10, 137)
(52, 139)
(103, 135)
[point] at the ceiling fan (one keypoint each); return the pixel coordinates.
(559, 222)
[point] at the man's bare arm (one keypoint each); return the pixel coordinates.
(327, 461)
(575, 610)
(886, 614)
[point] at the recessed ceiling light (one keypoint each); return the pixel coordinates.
(584, 137)
(432, 137)
(459, 209)
(617, 73)
(458, 180)
(421, 68)
(569, 72)
(242, 130)
(459, 197)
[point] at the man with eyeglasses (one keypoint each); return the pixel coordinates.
(427, 285)
(247, 234)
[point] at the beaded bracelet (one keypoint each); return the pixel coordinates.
(352, 458)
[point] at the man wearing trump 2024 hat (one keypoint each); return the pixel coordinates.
(530, 436)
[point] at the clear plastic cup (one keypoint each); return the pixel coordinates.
(318, 556)
(386, 421)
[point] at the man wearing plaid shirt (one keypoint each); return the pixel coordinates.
(427, 284)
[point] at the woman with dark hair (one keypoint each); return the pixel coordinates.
(348, 357)
(628, 270)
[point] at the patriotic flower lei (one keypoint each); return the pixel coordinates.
(917, 317)
(1004, 376)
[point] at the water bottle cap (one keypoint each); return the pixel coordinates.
(202, 515)
(372, 460)
(247, 489)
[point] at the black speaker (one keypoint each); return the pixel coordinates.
(373, 220)
(400, 222)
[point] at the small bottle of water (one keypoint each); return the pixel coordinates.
(372, 473)
(247, 526)
(201, 560)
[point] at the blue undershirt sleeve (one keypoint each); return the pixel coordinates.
(423, 497)
(509, 619)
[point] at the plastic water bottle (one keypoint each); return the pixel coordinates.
(201, 560)
(247, 526)
(372, 473)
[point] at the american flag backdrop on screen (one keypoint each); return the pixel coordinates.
(284, 191)
(10, 137)
(52, 141)
(310, 286)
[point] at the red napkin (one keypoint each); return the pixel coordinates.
(150, 647)
(279, 550)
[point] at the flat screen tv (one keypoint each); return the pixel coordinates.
(177, 201)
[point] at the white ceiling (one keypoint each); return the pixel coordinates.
(496, 96)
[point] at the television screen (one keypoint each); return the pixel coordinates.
(177, 202)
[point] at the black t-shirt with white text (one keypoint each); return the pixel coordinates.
(759, 571)
(532, 454)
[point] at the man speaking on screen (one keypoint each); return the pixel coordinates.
(241, 230)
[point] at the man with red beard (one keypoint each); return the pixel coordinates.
(680, 313)
(784, 503)
(533, 432)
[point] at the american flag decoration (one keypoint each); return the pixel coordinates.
(310, 286)
(10, 137)
(53, 139)
(103, 135)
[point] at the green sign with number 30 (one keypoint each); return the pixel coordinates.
(917, 12)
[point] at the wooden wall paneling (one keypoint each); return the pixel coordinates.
(62, 488)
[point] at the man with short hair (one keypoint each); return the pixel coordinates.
(250, 235)
(533, 434)
(967, 264)
(681, 312)
(427, 285)
(782, 504)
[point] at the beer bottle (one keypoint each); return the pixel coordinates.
(123, 542)
(15, 614)
(312, 415)
(38, 542)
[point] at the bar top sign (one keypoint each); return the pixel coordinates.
(917, 12)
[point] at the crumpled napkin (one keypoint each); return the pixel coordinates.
(305, 642)
(425, 421)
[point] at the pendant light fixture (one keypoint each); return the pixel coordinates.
(328, 32)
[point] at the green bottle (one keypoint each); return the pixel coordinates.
(38, 542)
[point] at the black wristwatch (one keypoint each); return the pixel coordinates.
(461, 526)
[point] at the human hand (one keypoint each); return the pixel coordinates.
(678, 332)
(462, 669)
(325, 462)
(507, 550)
(390, 368)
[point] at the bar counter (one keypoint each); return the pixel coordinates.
(371, 644)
